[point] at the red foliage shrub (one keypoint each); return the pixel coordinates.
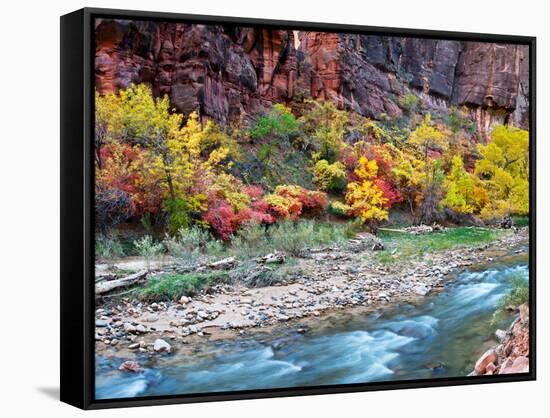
(220, 216)
(254, 191)
(348, 157)
(308, 198)
(389, 191)
(118, 173)
(383, 159)
(259, 208)
(255, 215)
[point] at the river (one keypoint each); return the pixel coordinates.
(441, 336)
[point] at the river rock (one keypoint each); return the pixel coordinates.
(421, 290)
(141, 328)
(101, 323)
(184, 300)
(130, 366)
(129, 327)
(490, 356)
(151, 318)
(202, 314)
(160, 345)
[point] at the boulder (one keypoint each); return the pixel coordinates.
(130, 366)
(421, 289)
(490, 356)
(161, 346)
(519, 365)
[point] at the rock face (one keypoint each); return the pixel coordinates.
(217, 71)
(222, 71)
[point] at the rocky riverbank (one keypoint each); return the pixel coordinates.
(328, 280)
(512, 354)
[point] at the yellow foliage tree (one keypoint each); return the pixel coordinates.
(364, 197)
(427, 137)
(504, 170)
(464, 193)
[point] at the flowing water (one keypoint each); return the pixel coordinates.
(442, 336)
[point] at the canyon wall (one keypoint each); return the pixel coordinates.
(224, 71)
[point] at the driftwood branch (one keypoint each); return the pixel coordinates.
(107, 286)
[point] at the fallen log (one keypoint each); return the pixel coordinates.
(224, 264)
(107, 286)
(393, 230)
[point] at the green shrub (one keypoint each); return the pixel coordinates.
(277, 122)
(215, 248)
(294, 237)
(264, 153)
(171, 286)
(329, 177)
(108, 247)
(147, 223)
(181, 213)
(339, 209)
(148, 249)
(409, 102)
(251, 240)
(188, 243)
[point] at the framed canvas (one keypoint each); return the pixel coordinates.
(256, 208)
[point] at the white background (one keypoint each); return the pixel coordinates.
(29, 207)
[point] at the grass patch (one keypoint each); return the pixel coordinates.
(518, 295)
(172, 286)
(403, 246)
(521, 221)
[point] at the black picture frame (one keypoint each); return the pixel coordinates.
(77, 214)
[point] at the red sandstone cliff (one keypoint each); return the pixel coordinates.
(222, 71)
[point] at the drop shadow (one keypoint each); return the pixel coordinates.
(51, 392)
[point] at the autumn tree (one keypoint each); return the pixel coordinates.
(364, 197)
(180, 159)
(107, 122)
(504, 169)
(428, 138)
(324, 127)
(464, 192)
